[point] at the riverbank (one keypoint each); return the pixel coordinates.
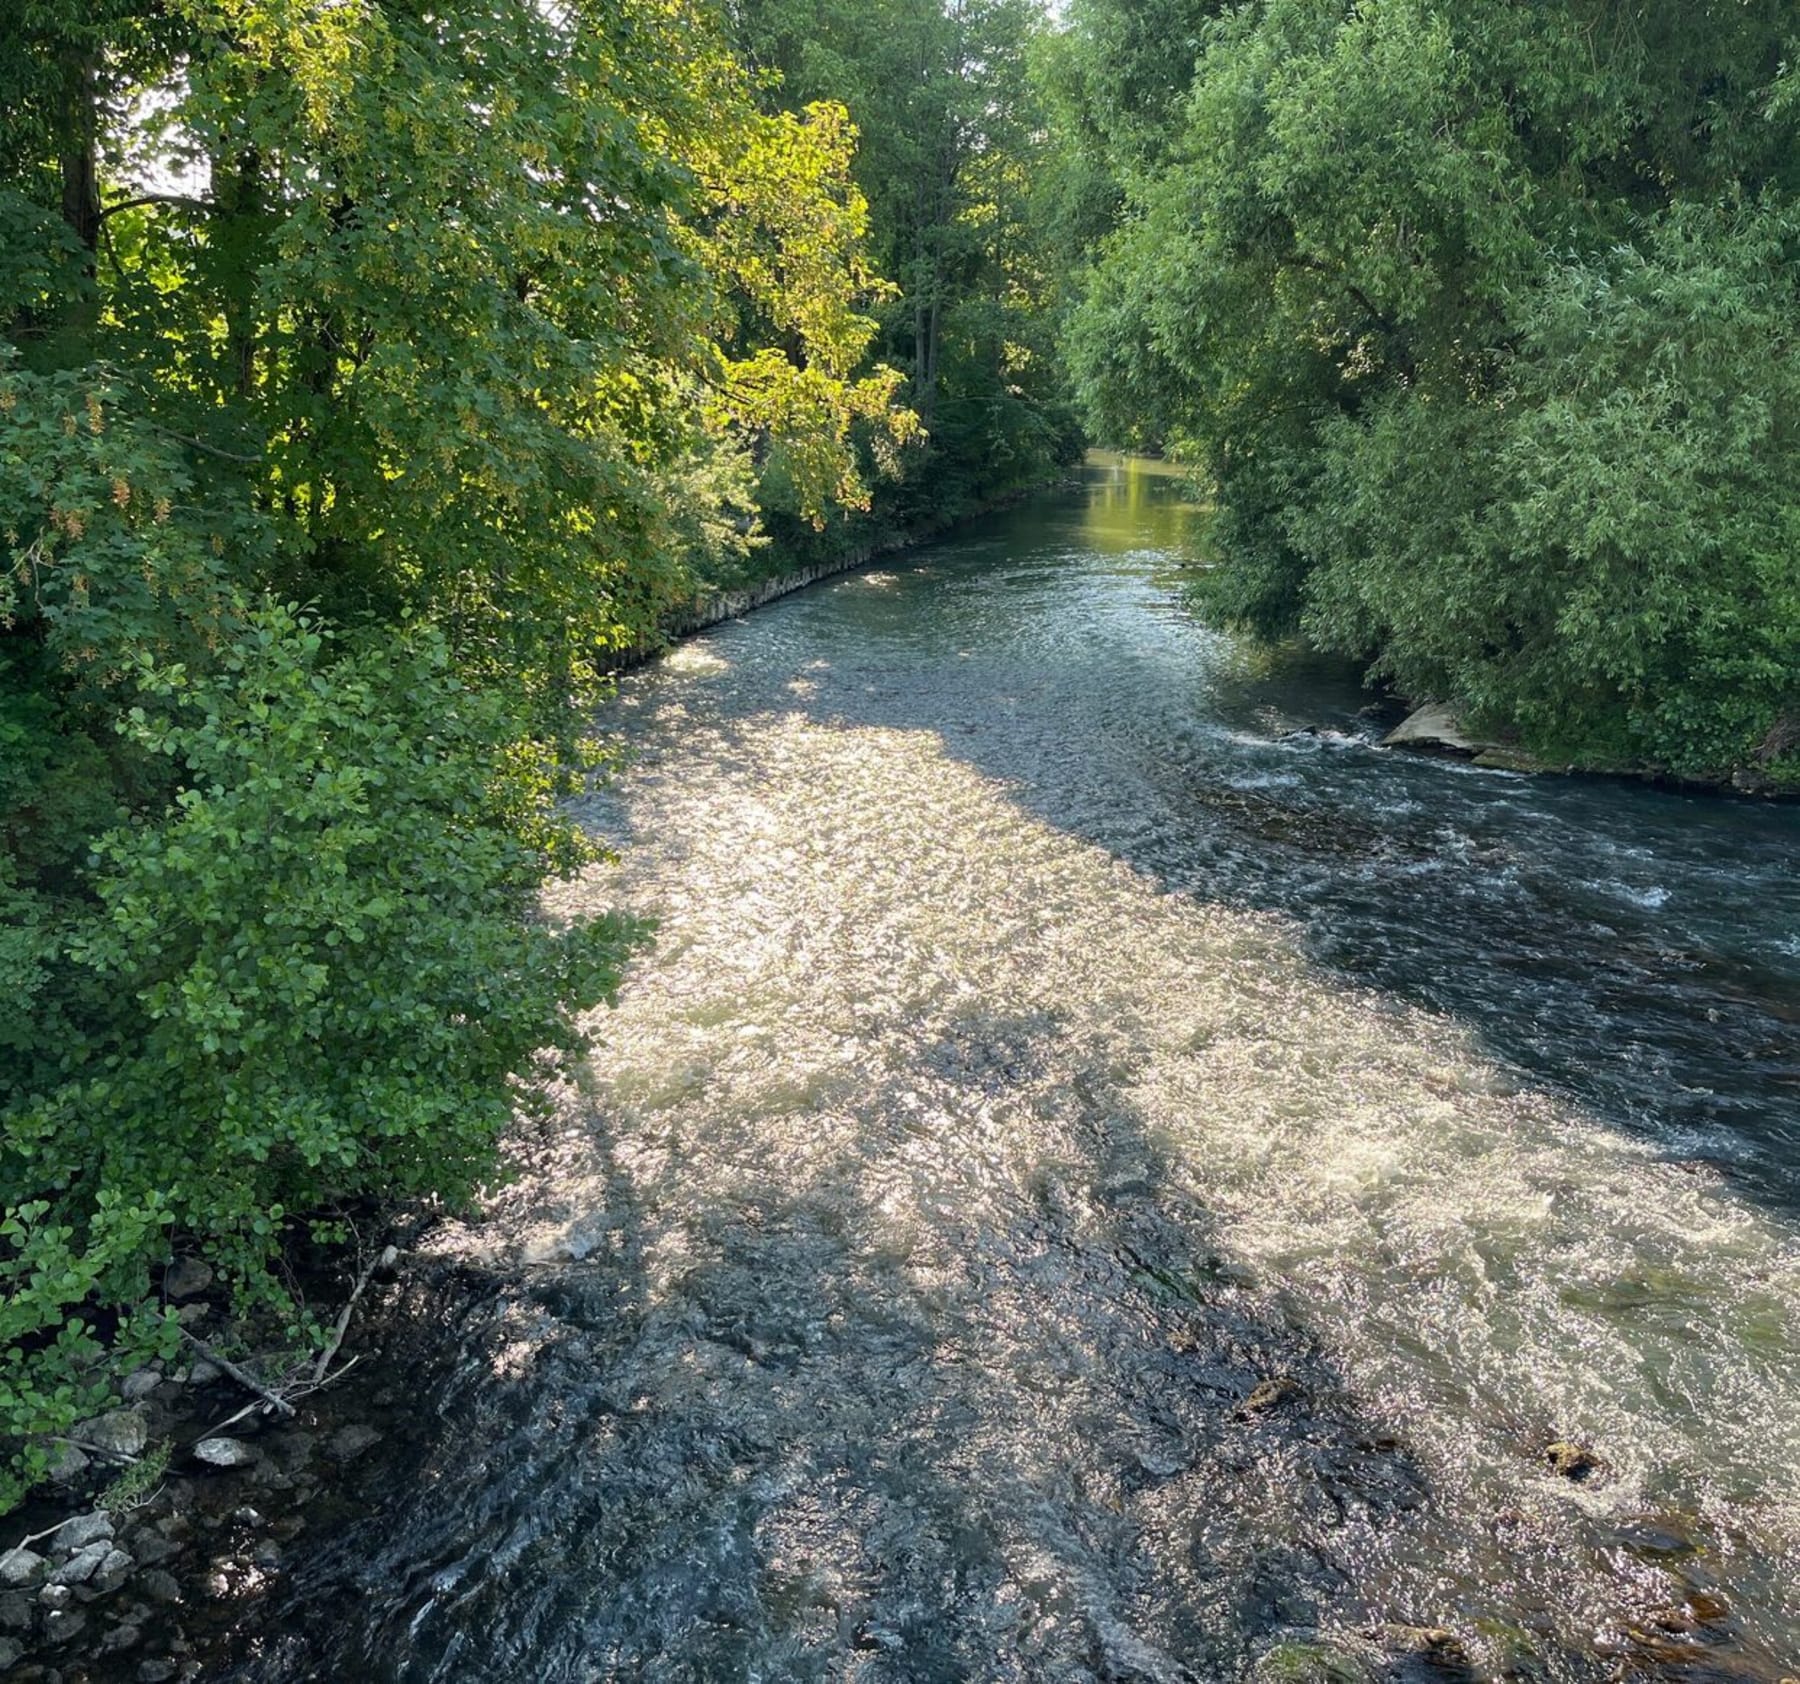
(171, 1508)
(1433, 727)
(713, 608)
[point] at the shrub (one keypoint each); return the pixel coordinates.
(329, 976)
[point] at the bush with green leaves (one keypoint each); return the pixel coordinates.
(328, 975)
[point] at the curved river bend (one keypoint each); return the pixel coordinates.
(1108, 1176)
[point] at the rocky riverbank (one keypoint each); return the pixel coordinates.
(164, 1515)
(1438, 728)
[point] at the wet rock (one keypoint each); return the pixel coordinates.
(871, 1636)
(151, 1548)
(82, 1565)
(83, 1530)
(71, 1463)
(1421, 1653)
(121, 1638)
(247, 1516)
(160, 1586)
(267, 1555)
(224, 1453)
(11, 1652)
(140, 1384)
(21, 1567)
(1271, 1395)
(15, 1611)
(1572, 1461)
(347, 1443)
(56, 1597)
(65, 1627)
(119, 1432)
(1438, 1641)
(156, 1672)
(186, 1277)
(1434, 729)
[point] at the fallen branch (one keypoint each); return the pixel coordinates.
(245, 1379)
(383, 1258)
(91, 1449)
(35, 1538)
(298, 1392)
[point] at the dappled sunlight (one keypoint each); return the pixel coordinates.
(1060, 1199)
(965, 1041)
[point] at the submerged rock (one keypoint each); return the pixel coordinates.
(1272, 1395)
(1572, 1461)
(347, 1443)
(1660, 1537)
(1306, 1661)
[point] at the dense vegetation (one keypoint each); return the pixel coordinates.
(374, 374)
(953, 143)
(1482, 321)
(371, 376)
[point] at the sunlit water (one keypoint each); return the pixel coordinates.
(1044, 1048)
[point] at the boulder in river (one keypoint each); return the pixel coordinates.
(1434, 729)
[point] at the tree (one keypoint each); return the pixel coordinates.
(1451, 302)
(468, 326)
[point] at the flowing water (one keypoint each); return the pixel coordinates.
(1106, 1175)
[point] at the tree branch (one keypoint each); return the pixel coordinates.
(181, 199)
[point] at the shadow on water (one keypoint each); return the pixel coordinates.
(1637, 947)
(940, 1371)
(1037, 1444)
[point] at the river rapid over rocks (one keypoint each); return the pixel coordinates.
(1107, 1175)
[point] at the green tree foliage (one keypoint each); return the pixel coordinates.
(1482, 319)
(474, 327)
(953, 137)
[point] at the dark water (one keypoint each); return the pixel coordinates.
(1107, 1175)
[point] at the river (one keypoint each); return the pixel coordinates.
(1108, 1175)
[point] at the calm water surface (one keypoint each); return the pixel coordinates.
(1108, 1176)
